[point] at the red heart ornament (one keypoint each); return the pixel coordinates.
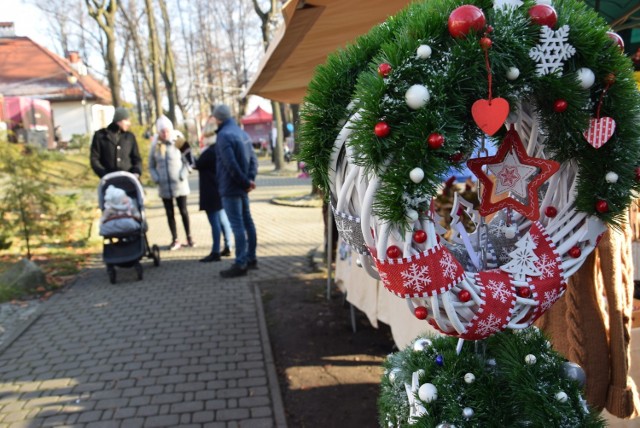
(600, 131)
(490, 115)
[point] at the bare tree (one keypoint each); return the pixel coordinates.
(104, 13)
(154, 58)
(267, 18)
(168, 65)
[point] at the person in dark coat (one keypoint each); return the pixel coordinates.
(114, 148)
(236, 171)
(211, 204)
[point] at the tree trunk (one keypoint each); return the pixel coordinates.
(278, 153)
(168, 69)
(154, 59)
(104, 13)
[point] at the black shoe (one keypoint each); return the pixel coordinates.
(226, 252)
(213, 257)
(233, 271)
(253, 264)
(190, 242)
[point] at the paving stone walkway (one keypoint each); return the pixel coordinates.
(182, 347)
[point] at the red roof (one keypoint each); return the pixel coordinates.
(28, 69)
(257, 116)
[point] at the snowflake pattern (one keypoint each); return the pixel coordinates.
(448, 266)
(550, 297)
(416, 277)
(499, 290)
(344, 229)
(547, 266)
(552, 50)
(489, 326)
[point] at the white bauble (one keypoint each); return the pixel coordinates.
(393, 375)
(421, 344)
(423, 52)
(586, 77)
(611, 177)
(513, 73)
(509, 231)
(416, 175)
(467, 412)
(547, 2)
(428, 392)
(417, 96)
(530, 359)
(412, 215)
(469, 378)
(562, 397)
(421, 373)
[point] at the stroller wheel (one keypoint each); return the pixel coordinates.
(111, 271)
(155, 254)
(139, 271)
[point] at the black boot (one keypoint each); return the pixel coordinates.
(213, 257)
(226, 252)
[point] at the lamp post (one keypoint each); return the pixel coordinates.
(73, 80)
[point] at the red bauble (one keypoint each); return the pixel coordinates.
(602, 206)
(464, 296)
(543, 14)
(420, 236)
(560, 105)
(421, 313)
(638, 173)
(524, 292)
(465, 18)
(575, 252)
(616, 39)
(457, 157)
(394, 252)
(485, 43)
(382, 129)
(435, 141)
(551, 212)
(384, 69)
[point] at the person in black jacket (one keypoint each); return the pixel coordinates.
(114, 148)
(211, 204)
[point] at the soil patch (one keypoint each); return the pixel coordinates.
(329, 376)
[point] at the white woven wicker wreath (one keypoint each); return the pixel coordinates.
(465, 284)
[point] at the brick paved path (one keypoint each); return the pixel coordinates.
(180, 348)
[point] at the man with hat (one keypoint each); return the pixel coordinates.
(114, 148)
(236, 169)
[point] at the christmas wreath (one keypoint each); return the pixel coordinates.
(431, 89)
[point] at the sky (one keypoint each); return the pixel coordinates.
(26, 17)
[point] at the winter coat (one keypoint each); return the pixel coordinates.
(237, 164)
(114, 150)
(168, 169)
(206, 166)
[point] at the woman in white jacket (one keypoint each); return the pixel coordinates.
(170, 170)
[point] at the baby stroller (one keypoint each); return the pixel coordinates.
(126, 248)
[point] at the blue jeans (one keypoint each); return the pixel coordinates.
(244, 231)
(219, 222)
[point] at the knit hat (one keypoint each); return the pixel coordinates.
(163, 122)
(121, 113)
(222, 112)
(116, 198)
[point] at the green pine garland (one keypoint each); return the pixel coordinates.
(507, 392)
(456, 77)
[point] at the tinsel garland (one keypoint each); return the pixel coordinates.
(517, 381)
(456, 76)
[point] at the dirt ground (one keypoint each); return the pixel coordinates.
(328, 374)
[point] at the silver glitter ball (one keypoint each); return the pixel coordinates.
(573, 371)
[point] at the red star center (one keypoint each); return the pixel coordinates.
(512, 166)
